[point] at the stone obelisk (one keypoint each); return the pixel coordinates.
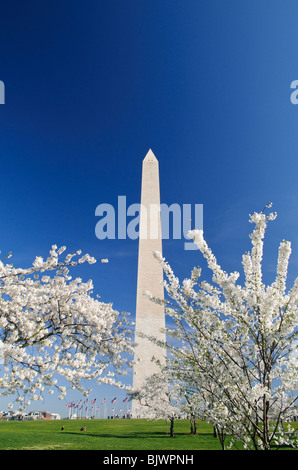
(150, 317)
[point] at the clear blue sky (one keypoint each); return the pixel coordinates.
(91, 86)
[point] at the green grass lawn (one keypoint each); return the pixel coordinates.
(107, 435)
(104, 435)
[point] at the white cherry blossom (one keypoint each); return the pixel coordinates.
(51, 325)
(235, 345)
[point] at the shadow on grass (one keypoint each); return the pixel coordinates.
(137, 435)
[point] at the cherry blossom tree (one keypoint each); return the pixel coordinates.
(51, 326)
(158, 398)
(237, 344)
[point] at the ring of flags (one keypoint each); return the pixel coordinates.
(78, 406)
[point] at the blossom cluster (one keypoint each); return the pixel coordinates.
(237, 352)
(51, 326)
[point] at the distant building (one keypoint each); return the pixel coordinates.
(30, 416)
(41, 415)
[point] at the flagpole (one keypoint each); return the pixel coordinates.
(126, 401)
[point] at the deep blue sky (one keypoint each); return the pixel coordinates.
(92, 85)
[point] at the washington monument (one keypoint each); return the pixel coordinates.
(150, 317)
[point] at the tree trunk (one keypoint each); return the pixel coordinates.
(172, 428)
(195, 427)
(221, 436)
(266, 441)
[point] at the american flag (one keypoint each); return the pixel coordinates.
(103, 401)
(125, 400)
(114, 400)
(93, 401)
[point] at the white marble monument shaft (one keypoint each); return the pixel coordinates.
(150, 317)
